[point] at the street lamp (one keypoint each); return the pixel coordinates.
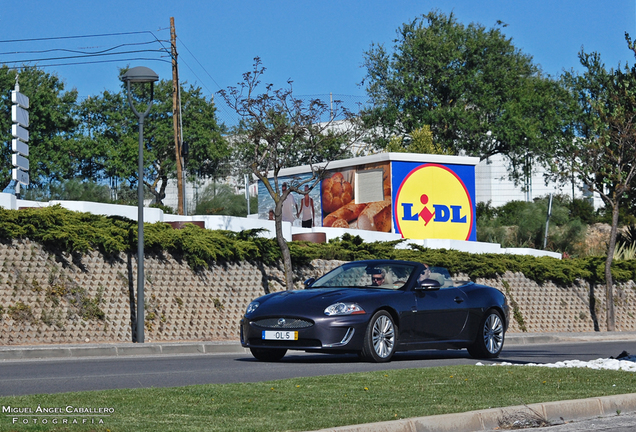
(140, 74)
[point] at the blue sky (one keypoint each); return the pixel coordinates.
(317, 44)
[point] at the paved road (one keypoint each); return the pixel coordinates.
(21, 377)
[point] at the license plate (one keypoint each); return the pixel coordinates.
(280, 335)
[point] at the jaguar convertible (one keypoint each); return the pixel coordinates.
(375, 308)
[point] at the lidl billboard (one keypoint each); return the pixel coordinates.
(418, 196)
(434, 201)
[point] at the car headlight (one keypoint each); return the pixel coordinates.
(252, 307)
(344, 309)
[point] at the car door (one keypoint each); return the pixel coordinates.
(441, 314)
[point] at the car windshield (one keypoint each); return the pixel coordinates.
(366, 275)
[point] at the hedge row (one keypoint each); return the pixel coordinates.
(61, 230)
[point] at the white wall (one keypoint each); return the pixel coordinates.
(492, 184)
(151, 215)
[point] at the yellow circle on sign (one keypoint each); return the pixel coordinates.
(433, 203)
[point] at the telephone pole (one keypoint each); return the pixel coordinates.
(176, 117)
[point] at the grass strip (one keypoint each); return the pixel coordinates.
(303, 404)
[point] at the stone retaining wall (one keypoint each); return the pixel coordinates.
(47, 298)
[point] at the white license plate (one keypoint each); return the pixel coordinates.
(280, 335)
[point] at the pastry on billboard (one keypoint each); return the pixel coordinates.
(336, 192)
(376, 217)
(348, 213)
(340, 223)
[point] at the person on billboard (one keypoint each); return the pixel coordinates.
(289, 206)
(306, 210)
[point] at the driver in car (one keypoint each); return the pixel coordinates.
(377, 279)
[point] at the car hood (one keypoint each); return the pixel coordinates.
(313, 301)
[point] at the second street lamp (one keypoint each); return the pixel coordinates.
(142, 75)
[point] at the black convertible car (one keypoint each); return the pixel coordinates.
(375, 308)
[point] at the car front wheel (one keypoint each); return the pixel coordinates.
(268, 354)
(380, 338)
(490, 337)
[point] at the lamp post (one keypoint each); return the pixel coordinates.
(140, 74)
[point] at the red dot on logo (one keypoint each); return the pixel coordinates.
(424, 199)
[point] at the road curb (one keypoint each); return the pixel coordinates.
(22, 352)
(483, 420)
(538, 338)
(116, 350)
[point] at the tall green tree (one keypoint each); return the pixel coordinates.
(51, 125)
(208, 151)
(478, 92)
(105, 141)
(278, 130)
(109, 137)
(603, 156)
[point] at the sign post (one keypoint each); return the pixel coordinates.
(20, 118)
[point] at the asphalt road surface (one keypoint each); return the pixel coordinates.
(22, 377)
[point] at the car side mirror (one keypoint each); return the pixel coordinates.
(309, 282)
(429, 285)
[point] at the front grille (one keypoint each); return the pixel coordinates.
(283, 323)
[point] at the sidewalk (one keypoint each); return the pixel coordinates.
(120, 349)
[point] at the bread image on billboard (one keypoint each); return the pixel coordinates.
(336, 192)
(376, 216)
(347, 213)
(372, 208)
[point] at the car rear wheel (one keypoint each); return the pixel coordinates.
(490, 338)
(380, 338)
(268, 354)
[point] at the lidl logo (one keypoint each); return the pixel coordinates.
(433, 202)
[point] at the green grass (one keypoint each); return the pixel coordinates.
(302, 404)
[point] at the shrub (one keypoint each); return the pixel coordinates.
(522, 224)
(166, 209)
(628, 235)
(220, 199)
(66, 231)
(583, 209)
(21, 312)
(72, 189)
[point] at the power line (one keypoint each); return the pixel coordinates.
(79, 56)
(199, 63)
(75, 37)
(228, 113)
(102, 61)
(78, 51)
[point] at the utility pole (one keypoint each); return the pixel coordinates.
(176, 116)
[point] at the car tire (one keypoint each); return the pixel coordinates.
(380, 338)
(268, 354)
(490, 337)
